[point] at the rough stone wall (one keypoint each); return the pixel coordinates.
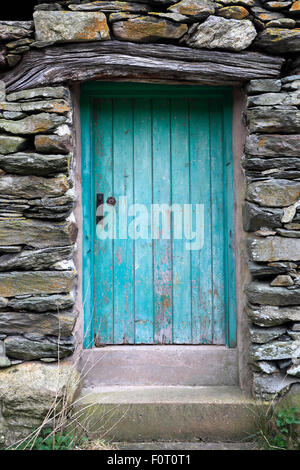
(37, 243)
(231, 25)
(37, 229)
(37, 234)
(271, 215)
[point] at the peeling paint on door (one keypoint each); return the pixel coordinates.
(161, 150)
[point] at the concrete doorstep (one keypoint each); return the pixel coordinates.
(139, 414)
(170, 365)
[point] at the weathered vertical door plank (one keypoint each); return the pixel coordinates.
(218, 225)
(143, 266)
(201, 269)
(180, 164)
(162, 254)
(123, 248)
(103, 249)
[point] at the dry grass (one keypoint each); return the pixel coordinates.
(72, 420)
(98, 444)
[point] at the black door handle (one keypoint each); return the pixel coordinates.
(99, 207)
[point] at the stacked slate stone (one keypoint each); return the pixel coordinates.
(272, 216)
(279, 23)
(37, 234)
(16, 38)
(189, 22)
(232, 25)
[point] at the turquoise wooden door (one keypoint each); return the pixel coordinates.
(157, 215)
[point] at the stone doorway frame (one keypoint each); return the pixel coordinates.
(238, 140)
(120, 61)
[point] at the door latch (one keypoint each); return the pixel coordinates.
(111, 201)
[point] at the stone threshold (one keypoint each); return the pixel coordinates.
(167, 365)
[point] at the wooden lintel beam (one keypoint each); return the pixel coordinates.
(121, 60)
